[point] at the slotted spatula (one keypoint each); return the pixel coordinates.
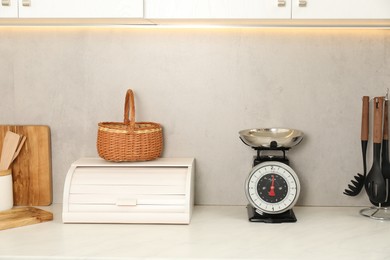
(358, 184)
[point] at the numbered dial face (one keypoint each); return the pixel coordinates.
(272, 187)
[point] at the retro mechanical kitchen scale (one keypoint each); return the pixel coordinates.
(272, 187)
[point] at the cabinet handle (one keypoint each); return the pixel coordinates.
(302, 3)
(5, 2)
(281, 3)
(26, 3)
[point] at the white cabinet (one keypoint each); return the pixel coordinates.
(217, 9)
(224, 12)
(8, 8)
(270, 12)
(80, 9)
(20, 12)
(341, 9)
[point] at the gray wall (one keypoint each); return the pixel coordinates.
(203, 86)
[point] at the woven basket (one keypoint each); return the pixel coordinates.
(129, 141)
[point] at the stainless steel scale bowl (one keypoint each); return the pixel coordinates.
(271, 137)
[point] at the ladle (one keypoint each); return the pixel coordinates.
(375, 184)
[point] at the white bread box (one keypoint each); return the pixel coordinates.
(158, 191)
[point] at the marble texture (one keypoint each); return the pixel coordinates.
(203, 86)
(215, 232)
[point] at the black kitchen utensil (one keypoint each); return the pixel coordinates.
(385, 152)
(358, 183)
(375, 184)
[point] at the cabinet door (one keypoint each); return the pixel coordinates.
(8, 8)
(341, 9)
(80, 8)
(217, 9)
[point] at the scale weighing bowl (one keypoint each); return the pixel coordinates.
(271, 137)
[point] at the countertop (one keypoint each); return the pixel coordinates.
(215, 232)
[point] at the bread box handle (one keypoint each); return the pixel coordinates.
(126, 202)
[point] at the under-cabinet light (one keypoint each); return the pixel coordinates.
(203, 23)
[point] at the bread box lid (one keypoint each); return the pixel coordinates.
(159, 191)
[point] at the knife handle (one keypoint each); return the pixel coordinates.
(386, 121)
(378, 114)
(365, 118)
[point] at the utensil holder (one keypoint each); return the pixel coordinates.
(6, 195)
(377, 213)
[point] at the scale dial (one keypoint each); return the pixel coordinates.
(272, 187)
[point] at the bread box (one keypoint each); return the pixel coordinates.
(158, 191)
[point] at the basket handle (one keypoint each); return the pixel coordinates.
(129, 101)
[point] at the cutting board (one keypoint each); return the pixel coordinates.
(31, 170)
(18, 217)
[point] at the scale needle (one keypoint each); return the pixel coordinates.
(272, 189)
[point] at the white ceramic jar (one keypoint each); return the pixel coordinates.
(6, 196)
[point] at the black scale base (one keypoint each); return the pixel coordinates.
(284, 217)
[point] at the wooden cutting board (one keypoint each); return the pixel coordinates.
(31, 170)
(18, 217)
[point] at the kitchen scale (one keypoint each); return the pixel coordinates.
(272, 186)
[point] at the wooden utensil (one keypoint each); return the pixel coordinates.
(31, 170)
(20, 145)
(18, 217)
(10, 145)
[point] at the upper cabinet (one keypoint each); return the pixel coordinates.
(375, 13)
(341, 9)
(217, 9)
(8, 8)
(76, 12)
(270, 12)
(80, 9)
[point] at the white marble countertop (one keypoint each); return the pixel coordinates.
(215, 232)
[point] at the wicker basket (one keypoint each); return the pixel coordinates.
(129, 141)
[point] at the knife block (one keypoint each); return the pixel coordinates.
(158, 191)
